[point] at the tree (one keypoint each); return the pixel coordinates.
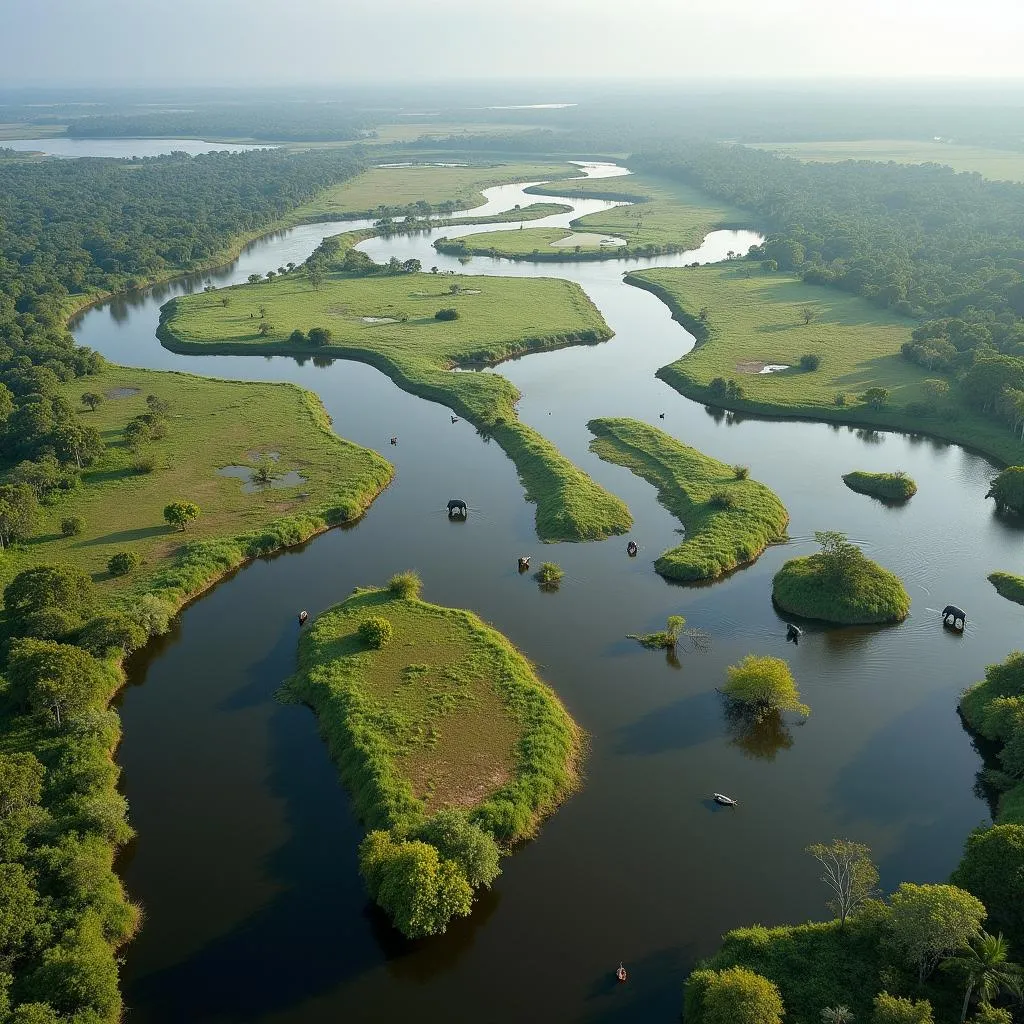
(446, 314)
(848, 872)
(158, 406)
(264, 328)
(732, 996)
(807, 314)
(991, 1015)
(1008, 489)
(896, 1010)
(839, 555)
(21, 782)
(837, 1015)
(123, 563)
(930, 922)
(17, 907)
(763, 685)
(297, 337)
(412, 266)
(875, 397)
(72, 526)
(53, 678)
(254, 279)
(92, 400)
(315, 275)
(320, 336)
(19, 510)
(986, 969)
(113, 631)
(78, 442)
(992, 868)
(181, 513)
(457, 838)
(264, 471)
(409, 880)
(46, 587)
(137, 432)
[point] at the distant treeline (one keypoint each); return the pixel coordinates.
(303, 122)
(922, 240)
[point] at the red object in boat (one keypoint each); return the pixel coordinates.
(621, 973)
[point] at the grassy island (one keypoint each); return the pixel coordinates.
(1007, 585)
(886, 486)
(388, 320)
(729, 519)
(442, 728)
(841, 585)
(746, 320)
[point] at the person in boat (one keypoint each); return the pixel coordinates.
(303, 615)
(631, 549)
(620, 972)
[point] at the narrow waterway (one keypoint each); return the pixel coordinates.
(246, 856)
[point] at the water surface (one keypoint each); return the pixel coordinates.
(67, 147)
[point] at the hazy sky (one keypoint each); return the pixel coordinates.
(205, 42)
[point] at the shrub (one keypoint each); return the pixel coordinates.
(406, 584)
(144, 464)
(876, 398)
(376, 631)
(722, 499)
(123, 563)
(764, 685)
(297, 337)
(153, 614)
(1008, 489)
(895, 1010)
(457, 838)
(839, 399)
(319, 336)
(446, 314)
(732, 996)
(549, 575)
(741, 472)
(72, 526)
(181, 513)
(991, 1015)
(115, 630)
(809, 362)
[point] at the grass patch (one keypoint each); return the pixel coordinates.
(399, 186)
(887, 486)
(997, 164)
(549, 575)
(211, 424)
(758, 320)
(1007, 585)
(729, 519)
(865, 592)
(448, 714)
(498, 318)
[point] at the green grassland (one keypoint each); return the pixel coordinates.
(1007, 585)
(399, 186)
(729, 519)
(997, 164)
(886, 486)
(447, 714)
(498, 318)
(666, 217)
(756, 320)
(212, 424)
(864, 593)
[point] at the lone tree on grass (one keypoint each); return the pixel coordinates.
(848, 872)
(986, 969)
(181, 513)
(319, 336)
(875, 398)
(763, 686)
(264, 328)
(92, 400)
(807, 314)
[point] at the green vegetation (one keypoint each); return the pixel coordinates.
(666, 638)
(839, 584)
(446, 738)
(733, 995)
(498, 318)
(549, 575)
(729, 519)
(527, 244)
(442, 189)
(1007, 585)
(887, 486)
(997, 164)
(763, 686)
(1008, 490)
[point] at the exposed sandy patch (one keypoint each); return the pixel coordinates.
(588, 238)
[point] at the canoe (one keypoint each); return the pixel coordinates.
(725, 801)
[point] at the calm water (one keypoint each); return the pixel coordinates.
(246, 857)
(66, 147)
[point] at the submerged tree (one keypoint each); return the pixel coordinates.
(763, 685)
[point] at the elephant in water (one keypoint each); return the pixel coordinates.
(955, 618)
(457, 507)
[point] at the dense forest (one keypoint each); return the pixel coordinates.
(945, 248)
(69, 229)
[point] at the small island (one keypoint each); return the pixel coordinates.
(729, 518)
(1007, 585)
(840, 584)
(451, 746)
(890, 487)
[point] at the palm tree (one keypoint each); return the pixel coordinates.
(837, 1015)
(987, 969)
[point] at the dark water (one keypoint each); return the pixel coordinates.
(246, 859)
(67, 147)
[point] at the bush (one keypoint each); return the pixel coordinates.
(1008, 489)
(741, 472)
(991, 1015)
(376, 631)
(144, 464)
(72, 526)
(319, 336)
(549, 575)
(894, 1010)
(152, 614)
(810, 362)
(732, 996)
(116, 630)
(297, 337)
(446, 314)
(764, 685)
(722, 499)
(839, 399)
(406, 584)
(123, 563)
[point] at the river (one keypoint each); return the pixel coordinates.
(246, 856)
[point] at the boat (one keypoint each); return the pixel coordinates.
(725, 801)
(303, 615)
(631, 549)
(620, 972)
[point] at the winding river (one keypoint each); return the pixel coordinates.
(246, 856)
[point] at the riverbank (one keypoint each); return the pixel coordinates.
(426, 709)
(747, 322)
(729, 519)
(389, 322)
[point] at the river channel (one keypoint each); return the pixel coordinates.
(245, 860)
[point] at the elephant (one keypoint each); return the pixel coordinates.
(457, 507)
(953, 617)
(524, 563)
